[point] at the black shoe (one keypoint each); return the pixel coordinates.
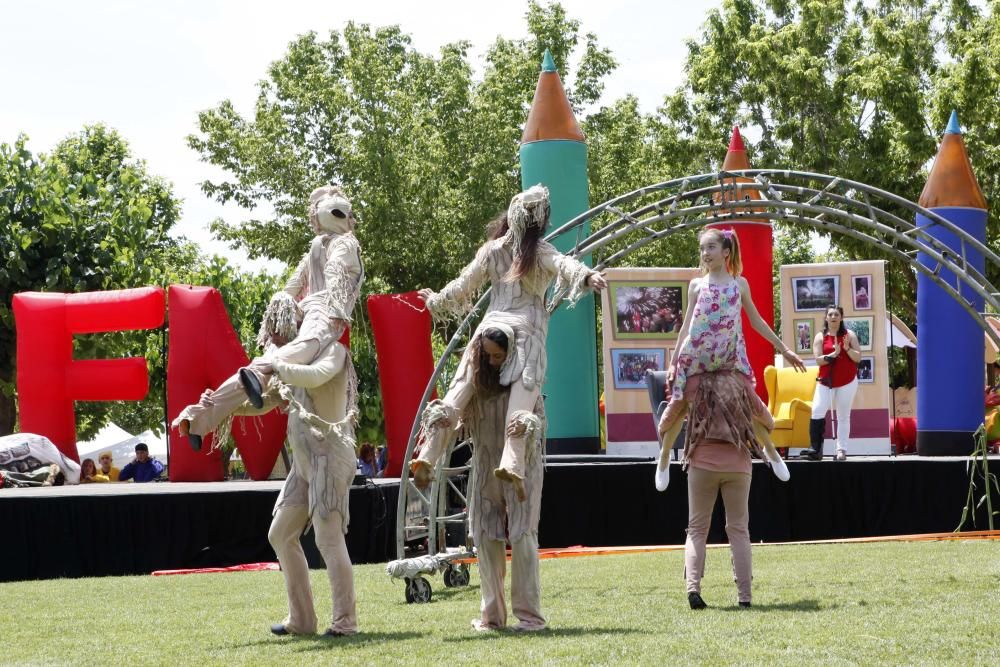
(810, 455)
(745, 603)
(330, 632)
(251, 385)
(194, 441)
(279, 629)
(694, 599)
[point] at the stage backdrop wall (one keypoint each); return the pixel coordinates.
(858, 287)
(642, 313)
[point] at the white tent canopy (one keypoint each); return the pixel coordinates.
(899, 335)
(122, 444)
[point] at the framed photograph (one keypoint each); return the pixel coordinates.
(803, 336)
(628, 367)
(863, 328)
(648, 310)
(866, 370)
(815, 293)
(861, 288)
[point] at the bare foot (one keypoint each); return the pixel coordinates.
(421, 474)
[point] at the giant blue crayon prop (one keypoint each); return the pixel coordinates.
(950, 342)
(553, 152)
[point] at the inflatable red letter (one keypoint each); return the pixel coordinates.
(204, 351)
(402, 328)
(48, 380)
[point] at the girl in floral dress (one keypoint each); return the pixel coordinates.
(711, 382)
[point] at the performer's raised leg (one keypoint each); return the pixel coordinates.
(522, 426)
(669, 428)
(438, 427)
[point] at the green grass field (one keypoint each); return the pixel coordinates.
(885, 603)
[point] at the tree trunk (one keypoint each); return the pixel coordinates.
(8, 415)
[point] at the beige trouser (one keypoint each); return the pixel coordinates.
(286, 529)
(525, 584)
(215, 406)
(703, 489)
(521, 401)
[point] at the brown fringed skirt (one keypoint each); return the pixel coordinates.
(721, 407)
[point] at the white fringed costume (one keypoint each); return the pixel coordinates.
(517, 307)
(496, 516)
(326, 284)
(322, 407)
(314, 375)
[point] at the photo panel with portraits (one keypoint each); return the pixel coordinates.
(629, 366)
(864, 328)
(815, 292)
(648, 310)
(804, 333)
(861, 289)
(866, 370)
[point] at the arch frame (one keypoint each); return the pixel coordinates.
(818, 201)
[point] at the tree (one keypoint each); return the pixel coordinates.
(970, 82)
(90, 217)
(427, 153)
(850, 89)
(87, 217)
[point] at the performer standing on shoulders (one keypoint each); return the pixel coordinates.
(712, 382)
(325, 285)
(496, 395)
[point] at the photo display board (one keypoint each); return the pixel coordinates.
(859, 288)
(642, 314)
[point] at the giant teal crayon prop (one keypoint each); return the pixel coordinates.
(554, 153)
(949, 342)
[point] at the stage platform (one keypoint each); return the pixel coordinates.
(117, 529)
(95, 530)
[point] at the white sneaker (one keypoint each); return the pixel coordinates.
(662, 477)
(778, 466)
(841, 455)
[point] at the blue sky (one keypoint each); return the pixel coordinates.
(147, 69)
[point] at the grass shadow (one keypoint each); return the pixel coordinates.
(321, 643)
(318, 641)
(548, 632)
(799, 605)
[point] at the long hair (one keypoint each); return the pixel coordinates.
(487, 378)
(83, 467)
(529, 250)
(826, 325)
(728, 240)
(497, 227)
(367, 453)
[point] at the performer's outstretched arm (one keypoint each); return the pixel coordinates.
(457, 297)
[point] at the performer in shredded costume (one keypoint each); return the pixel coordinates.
(506, 421)
(321, 400)
(326, 284)
(713, 384)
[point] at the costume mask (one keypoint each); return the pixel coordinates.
(330, 211)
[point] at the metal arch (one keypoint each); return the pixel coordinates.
(819, 201)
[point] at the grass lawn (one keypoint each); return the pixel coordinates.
(896, 603)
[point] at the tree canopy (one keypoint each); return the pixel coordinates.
(87, 217)
(427, 148)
